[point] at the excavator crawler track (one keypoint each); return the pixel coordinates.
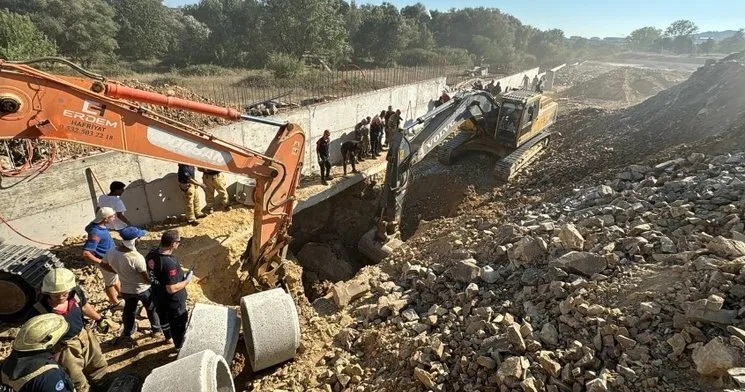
(509, 166)
(445, 155)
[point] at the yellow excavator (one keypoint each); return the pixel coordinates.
(512, 126)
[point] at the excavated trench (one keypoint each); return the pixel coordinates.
(325, 236)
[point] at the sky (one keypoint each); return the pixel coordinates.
(597, 18)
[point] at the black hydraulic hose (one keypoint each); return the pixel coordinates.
(61, 60)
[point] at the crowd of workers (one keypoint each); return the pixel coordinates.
(57, 348)
(371, 137)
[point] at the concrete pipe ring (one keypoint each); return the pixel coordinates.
(204, 371)
(271, 328)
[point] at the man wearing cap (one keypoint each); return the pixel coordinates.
(98, 243)
(169, 286)
(130, 265)
(31, 367)
(80, 351)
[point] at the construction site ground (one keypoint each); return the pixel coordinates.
(456, 213)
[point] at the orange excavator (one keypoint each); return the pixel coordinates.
(103, 113)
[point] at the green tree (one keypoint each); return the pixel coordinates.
(235, 38)
(734, 43)
(419, 22)
(549, 47)
(297, 28)
(707, 46)
(382, 35)
(485, 32)
(643, 39)
(83, 29)
(143, 28)
(190, 37)
(681, 32)
(680, 28)
(20, 39)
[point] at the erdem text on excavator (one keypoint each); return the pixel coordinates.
(511, 126)
(102, 113)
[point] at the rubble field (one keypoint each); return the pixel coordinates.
(615, 262)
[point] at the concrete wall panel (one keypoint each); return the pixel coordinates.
(57, 204)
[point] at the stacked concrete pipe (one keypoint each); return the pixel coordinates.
(201, 372)
(271, 328)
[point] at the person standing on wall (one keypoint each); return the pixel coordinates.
(387, 117)
(131, 267)
(350, 150)
(114, 201)
(376, 131)
(391, 124)
(324, 159)
(80, 354)
(31, 367)
(188, 183)
(169, 287)
(214, 181)
(98, 243)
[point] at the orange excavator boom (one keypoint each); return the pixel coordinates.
(96, 112)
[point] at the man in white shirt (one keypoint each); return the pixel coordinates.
(130, 265)
(113, 200)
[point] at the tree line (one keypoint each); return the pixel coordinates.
(680, 38)
(285, 34)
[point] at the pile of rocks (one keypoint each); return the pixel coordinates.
(637, 284)
(704, 113)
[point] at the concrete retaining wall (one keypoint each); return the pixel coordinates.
(516, 80)
(57, 204)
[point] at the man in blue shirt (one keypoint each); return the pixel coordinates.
(188, 183)
(99, 243)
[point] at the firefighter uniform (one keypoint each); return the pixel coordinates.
(214, 181)
(31, 366)
(80, 351)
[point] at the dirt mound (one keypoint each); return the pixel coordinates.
(575, 74)
(710, 102)
(625, 84)
(706, 113)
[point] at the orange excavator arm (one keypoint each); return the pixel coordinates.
(96, 112)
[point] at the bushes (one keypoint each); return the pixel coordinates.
(20, 39)
(284, 65)
(414, 57)
(456, 56)
(205, 70)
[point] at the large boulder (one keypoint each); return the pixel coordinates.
(571, 237)
(726, 248)
(715, 358)
(584, 263)
(529, 250)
